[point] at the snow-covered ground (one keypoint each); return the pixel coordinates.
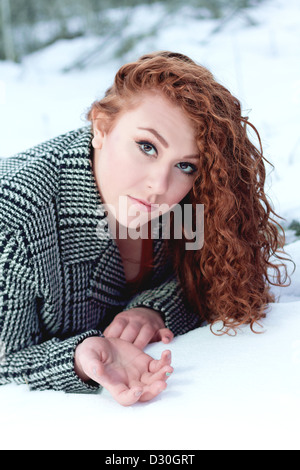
(239, 392)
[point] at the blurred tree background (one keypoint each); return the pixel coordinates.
(27, 26)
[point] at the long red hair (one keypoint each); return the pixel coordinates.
(229, 279)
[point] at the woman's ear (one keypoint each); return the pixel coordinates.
(98, 130)
(97, 141)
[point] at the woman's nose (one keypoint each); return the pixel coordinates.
(158, 180)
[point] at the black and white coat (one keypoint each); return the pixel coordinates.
(60, 282)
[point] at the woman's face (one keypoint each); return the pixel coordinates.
(149, 157)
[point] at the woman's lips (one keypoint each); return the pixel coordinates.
(146, 206)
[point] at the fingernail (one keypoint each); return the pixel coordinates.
(138, 394)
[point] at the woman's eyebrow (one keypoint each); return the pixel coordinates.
(192, 157)
(165, 143)
(157, 135)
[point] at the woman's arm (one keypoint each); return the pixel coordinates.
(155, 314)
(169, 300)
(28, 357)
(81, 363)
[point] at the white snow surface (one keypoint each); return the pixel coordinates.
(226, 392)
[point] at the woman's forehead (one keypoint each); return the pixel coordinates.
(156, 109)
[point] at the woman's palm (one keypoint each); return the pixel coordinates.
(129, 374)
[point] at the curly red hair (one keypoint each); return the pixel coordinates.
(229, 279)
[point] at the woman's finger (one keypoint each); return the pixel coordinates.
(166, 335)
(97, 372)
(126, 396)
(155, 365)
(153, 390)
(162, 375)
(116, 328)
(144, 337)
(131, 332)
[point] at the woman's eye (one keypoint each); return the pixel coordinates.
(187, 168)
(147, 148)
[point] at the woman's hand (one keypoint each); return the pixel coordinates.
(139, 326)
(124, 370)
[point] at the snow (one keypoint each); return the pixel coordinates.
(228, 392)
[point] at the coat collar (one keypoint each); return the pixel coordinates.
(80, 202)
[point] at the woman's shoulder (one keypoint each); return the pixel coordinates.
(46, 153)
(30, 179)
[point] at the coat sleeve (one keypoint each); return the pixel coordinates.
(169, 300)
(24, 357)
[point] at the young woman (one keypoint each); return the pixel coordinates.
(79, 302)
